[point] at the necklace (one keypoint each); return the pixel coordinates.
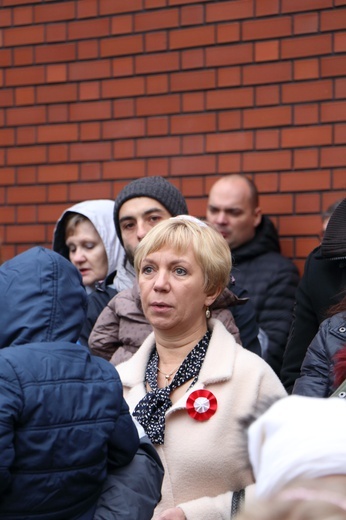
(168, 376)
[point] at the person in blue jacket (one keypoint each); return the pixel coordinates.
(63, 420)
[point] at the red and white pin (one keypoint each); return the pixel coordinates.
(201, 405)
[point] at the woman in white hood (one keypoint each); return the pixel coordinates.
(85, 234)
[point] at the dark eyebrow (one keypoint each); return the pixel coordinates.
(145, 214)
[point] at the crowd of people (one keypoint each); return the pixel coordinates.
(146, 362)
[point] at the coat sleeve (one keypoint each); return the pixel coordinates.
(104, 337)
(133, 491)
(314, 380)
(11, 404)
(97, 301)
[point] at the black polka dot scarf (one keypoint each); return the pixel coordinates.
(150, 411)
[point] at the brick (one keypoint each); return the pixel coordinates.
(306, 114)
(154, 20)
(87, 9)
(157, 62)
(192, 37)
(229, 54)
(306, 136)
(229, 142)
(195, 165)
(54, 13)
(268, 95)
(193, 187)
(229, 120)
(340, 88)
(292, 6)
(57, 94)
(333, 66)
(306, 46)
(193, 145)
(267, 117)
(305, 181)
(124, 149)
(229, 163)
(157, 126)
(267, 73)
(86, 70)
(231, 10)
(122, 24)
(193, 59)
(196, 80)
(340, 41)
(153, 4)
(121, 46)
(26, 115)
(228, 32)
(56, 73)
(267, 51)
(60, 52)
(267, 139)
(82, 190)
(84, 29)
(266, 28)
(17, 36)
(340, 134)
(307, 91)
(32, 194)
(90, 111)
(23, 55)
(111, 7)
(25, 135)
(132, 169)
(305, 23)
(229, 77)
(333, 111)
(300, 225)
(333, 156)
(123, 108)
(25, 96)
(267, 182)
(123, 87)
(156, 41)
(267, 7)
(267, 161)
(26, 155)
(193, 102)
(27, 175)
(156, 84)
(57, 133)
(6, 97)
(157, 105)
(58, 153)
(333, 20)
(122, 67)
(89, 90)
(22, 234)
(339, 179)
(57, 173)
(158, 166)
(308, 203)
(56, 32)
(305, 158)
(123, 128)
(193, 123)
(158, 146)
(5, 57)
(7, 136)
(7, 215)
(90, 171)
(23, 15)
(305, 245)
(90, 151)
(306, 69)
(278, 204)
(90, 131)
(25, 76)
(6, 17)
(192, 15)
(230, 98)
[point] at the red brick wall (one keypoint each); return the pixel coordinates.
(95, 93)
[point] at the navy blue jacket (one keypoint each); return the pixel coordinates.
(62, 415)
(316, 375)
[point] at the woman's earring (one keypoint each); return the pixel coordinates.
(207, 313)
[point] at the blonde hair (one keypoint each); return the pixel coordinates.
(209, 247)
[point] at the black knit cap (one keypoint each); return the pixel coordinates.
(334, 240)
(156, 188)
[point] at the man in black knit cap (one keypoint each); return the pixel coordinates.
(140, 205)
(323, 284)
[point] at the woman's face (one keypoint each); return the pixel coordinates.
(172, 294)
(87, 253)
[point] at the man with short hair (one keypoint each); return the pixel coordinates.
(258, 266)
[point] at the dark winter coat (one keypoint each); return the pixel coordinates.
(271, 281)
(62, 414)
(321, 287)
(316, 375)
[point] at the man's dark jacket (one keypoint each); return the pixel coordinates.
(271, 281)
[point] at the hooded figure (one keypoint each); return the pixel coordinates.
(100, 214)
(63, 419)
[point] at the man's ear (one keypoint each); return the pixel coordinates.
(257, 216)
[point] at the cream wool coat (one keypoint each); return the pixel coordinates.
(205, 461)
